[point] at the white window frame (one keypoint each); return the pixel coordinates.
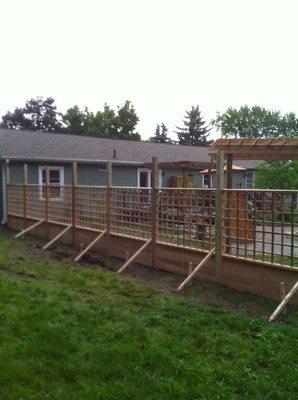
(252, 179)
(203, 180)
(51, 168)
(148, 170)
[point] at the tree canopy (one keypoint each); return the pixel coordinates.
(161, 135)
(41, 115)
(255, 122)
(38, 115)
(277, 175)
(194, 132)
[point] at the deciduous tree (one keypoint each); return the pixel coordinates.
(38, 115)
(255, 122)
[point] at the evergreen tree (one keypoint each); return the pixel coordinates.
(161, 135)
(195, 131)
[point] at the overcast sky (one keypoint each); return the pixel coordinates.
(162, 55)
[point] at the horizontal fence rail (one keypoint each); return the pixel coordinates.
(257, 225)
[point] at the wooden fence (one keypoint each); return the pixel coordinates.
(255, 225)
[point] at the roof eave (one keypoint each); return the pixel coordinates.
(70, 160)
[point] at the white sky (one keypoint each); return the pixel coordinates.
(163, 55)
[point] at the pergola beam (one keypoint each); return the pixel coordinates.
(257, 149)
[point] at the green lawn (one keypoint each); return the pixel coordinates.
(72, 332)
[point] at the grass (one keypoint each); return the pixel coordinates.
(71, 332)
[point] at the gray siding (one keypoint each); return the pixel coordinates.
(87, 174)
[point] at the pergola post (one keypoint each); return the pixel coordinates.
(218, 216)
(229, 171)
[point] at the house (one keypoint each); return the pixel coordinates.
(130, 161)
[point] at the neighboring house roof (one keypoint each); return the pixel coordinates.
(235, 168)
(28, 145)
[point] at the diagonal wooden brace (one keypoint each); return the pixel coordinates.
(89, 246)
(196, 270)
(57, 237)
(284, 302)
(29, 228)
(136, 254)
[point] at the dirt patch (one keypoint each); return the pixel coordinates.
(205, 293)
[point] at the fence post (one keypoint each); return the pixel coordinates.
(47, 183)
(25, 183)
(218, 216)
(74, 184)
(108, 208)
(154, 211)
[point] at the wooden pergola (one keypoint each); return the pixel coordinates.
(253, 149)
(249, 149)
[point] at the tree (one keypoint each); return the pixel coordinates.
(119, 124)
(161, 135)
(195, 131)
(74, 121)
(38, 115)
(255, 122)
(126, 121)
(277, 175)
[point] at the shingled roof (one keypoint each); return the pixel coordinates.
(34, 145)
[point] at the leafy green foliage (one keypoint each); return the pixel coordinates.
(108, 123)
(41, 115)
(83, 333)
(194, 132)
(255, 122)
(38, 115)
(277, 175)
(161, 135)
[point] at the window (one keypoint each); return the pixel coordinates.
(56, 180)
(249, 180)
(145, 178)
(206, 179)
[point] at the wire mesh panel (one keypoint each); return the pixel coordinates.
(60, 204)
(35, 202)
(90, 207)
(261, 225)
(15, 199)
(131, 211)
(186, 217)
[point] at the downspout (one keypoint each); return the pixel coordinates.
(4, 193)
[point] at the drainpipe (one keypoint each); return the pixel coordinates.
(4, 193)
